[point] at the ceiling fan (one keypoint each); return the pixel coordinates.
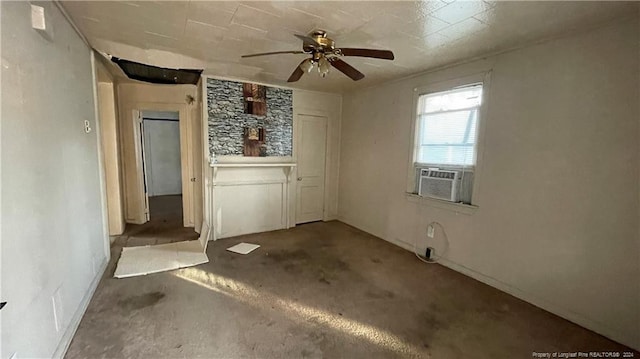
(324, 54)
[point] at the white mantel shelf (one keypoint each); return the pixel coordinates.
(287, 167)
(248, 164)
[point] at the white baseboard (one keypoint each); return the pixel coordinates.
(65, 341)
(541, 303)
(566, 313)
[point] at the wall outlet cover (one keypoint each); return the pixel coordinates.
(430, 231)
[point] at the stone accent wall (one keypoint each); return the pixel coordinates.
(227, 119)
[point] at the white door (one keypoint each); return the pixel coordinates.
(312, 138)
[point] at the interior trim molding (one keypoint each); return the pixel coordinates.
(458, 208)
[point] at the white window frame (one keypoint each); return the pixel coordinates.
(413, 164)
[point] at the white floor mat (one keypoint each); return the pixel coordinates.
(135, 261)
(243, 248)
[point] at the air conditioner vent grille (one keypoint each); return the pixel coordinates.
(439, 174)
(438, 184)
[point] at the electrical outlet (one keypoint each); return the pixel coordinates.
(430, 231)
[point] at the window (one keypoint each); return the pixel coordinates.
(447, 123)
(446, 132)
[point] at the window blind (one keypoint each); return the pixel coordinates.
(448, 126)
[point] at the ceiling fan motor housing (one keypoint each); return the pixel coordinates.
(327, 45)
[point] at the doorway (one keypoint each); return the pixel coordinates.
(138, 194)
(311, 148)
(162, 165)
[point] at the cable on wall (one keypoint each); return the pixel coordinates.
(436, 258)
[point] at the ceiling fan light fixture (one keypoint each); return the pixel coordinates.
(325, 55)
(323, 66)
(306, 65)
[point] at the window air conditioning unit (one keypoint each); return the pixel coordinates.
(438, 184)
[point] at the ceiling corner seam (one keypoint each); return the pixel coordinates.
(73, 24)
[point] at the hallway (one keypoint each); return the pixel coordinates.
(165, 225)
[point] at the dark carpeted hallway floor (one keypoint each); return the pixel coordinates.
(165, 224)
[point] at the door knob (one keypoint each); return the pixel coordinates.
(193, 179)
(299, 178)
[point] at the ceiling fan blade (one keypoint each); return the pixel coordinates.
(307, 40)
(273, 53)
(377, 54)
(347, 69)
(297, 73)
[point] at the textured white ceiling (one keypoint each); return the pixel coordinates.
(422, 34)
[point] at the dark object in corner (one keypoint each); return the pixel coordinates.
(428, 252)
(2, 304)
(157, 75)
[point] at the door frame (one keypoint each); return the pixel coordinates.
(296, 144)
(186, 155)
(138, 130)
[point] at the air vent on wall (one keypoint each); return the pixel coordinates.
(157, 75)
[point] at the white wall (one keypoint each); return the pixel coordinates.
(109, 138)
(162, 156)
(557, 223)
(53, 234)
